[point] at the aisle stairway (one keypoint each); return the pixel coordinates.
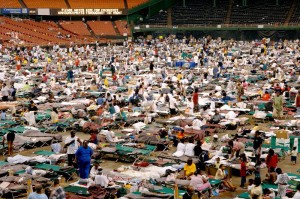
(291, 12)
(228, 15)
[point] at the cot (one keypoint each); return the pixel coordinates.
(2, 163)
(167, 190)
(44, 153)
(77, 190)
(6, 123)
(67, 172)
(126, 153)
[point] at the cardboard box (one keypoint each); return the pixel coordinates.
(283, 134)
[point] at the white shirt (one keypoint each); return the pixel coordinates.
(189, 149)
(172, 103)
(68, 91)
(117, 109)
(72, 148)
(5, 91)
(93, 172)
(180, 147)
(101, 180)
(294, 153)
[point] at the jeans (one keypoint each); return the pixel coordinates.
(243, 181)
(298, 110)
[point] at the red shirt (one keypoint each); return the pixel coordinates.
(272, 162)
(195, 98)
(243, 169)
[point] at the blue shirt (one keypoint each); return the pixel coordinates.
(35, 195)
(3, 116)
(84, 154)
(100, 101)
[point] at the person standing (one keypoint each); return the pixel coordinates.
(4, 92)
(297, 102)
(271, 159)
(151, 67)
(294, 155)
(282, 181)
(240, 92)
(57, 192)
(71, 143)
(196, 99)
(71, 76)
(257, 143)
(278, 105)
(83, 157)
(243, 170)
(9, 137)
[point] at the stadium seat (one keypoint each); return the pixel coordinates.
(122, 27)
(135, 3)
(76, 27)
(105, 4)
(45, 4)
(260, 12)
(41, 33)
(10, 4)
(102, 28)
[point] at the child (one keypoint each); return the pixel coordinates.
(250, 184)
(294, 155)
(243, 170)
(217, 163)
(257, 169)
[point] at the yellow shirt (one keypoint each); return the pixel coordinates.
(179, 76)
(106, 82)
(256, 128)
(189, 169)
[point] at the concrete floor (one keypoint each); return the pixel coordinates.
(110, 164)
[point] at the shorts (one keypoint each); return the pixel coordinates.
(293, 158)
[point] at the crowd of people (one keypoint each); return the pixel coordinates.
(154, 83)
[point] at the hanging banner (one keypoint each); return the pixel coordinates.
(87, 11)
(14, 11)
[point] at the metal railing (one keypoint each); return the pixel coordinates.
(274, 25)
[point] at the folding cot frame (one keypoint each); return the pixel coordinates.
(129, 153)
(68, 174)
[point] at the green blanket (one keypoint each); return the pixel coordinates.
(44, 153)
(214, 182)
(48, 167)
(77, 190)
(2, 163)
(167, 190)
